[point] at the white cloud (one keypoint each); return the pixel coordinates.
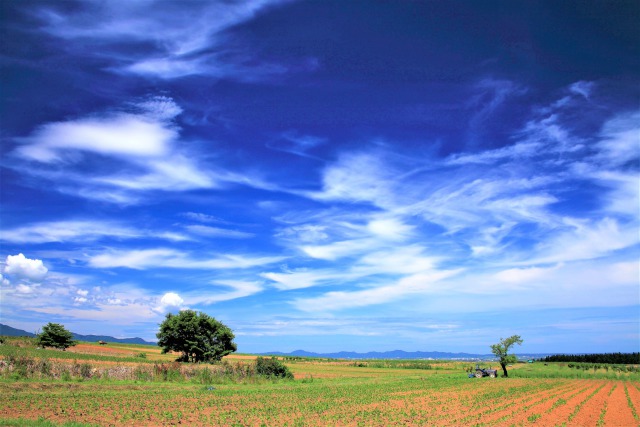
(238, 289)
(121, 135)
(523, 275)
(168, 302)
(203, 230)
(360, 177)
(304, 233)
(416, 284)
(65, 231)
(583, 240)
(508, 207)
(170, 258)
(304, 278)
(180, 40)
(138, 151)
(201, 217)
(397, 260)
(126, 314)
(337, 250)
(171, 299)
(83, 230)
(20, 267)
(582, 88)
(390, 228)
(24, 289)
(141, 145)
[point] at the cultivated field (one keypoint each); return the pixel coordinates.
(115, 385)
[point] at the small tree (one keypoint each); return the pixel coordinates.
(501, 350)
(199, 337)
(55, 335)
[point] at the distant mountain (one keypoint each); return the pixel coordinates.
(8, 331)
(107, 338)
(13, 332)
(399, 354)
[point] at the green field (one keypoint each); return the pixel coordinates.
(78, 388)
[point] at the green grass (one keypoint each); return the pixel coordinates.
(562, 370)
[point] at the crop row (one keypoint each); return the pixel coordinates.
(397, 400)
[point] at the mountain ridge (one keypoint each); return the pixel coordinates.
(11, 331)
(400, 354)
(394, 354)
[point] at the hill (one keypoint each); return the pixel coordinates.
(13, 332)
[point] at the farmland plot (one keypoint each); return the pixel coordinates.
(325, 392)
(411, 399)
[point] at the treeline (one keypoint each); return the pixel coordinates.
(609, 358)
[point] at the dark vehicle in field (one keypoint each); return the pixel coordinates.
(485, 372)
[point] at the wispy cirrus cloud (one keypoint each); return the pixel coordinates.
(175, 40)
(225, 290)
(486, 205)
(423, 283)
(120, 156)
(83, 230)
(171, 258)
(207, 231)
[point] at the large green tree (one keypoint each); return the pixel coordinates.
(501, 350)
(55, 335)
(197, 336)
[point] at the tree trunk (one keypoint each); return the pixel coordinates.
(504, 368)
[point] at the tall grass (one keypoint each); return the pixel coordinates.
(25, 367)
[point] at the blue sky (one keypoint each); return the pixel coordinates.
(325, 175)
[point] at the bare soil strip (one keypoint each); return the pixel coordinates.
(590, 411)
(511, 410)
(618, 410)
(561, 412)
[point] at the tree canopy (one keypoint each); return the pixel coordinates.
(501, 350)
(197, 336)
(55, 335)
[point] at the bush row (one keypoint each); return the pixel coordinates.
(24, 367)
(606, 367)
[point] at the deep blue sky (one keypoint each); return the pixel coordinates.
(325, 175)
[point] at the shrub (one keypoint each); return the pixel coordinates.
(272, 368)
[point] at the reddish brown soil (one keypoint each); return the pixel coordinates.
(97, 349)
(454, 406)
(561, 412)
(590, 412)
(618, 410)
